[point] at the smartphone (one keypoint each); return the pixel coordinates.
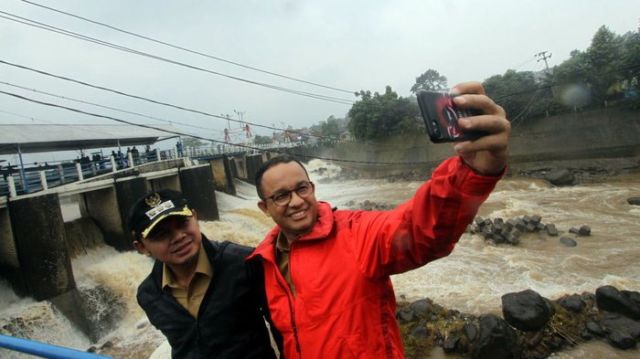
(441, 118)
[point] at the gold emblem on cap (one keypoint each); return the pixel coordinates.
(153, 200)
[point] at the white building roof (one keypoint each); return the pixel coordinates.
(31, 138)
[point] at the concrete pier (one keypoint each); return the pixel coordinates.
(199, 189)
(169, 182)
(233, 171)
(222, 179)
(241, 167)
(9, 265)
(44, 262)
(127, 192)
(253, 163)
(102, 206)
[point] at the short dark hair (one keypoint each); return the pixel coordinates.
(270, 163)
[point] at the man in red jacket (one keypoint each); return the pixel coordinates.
(327, 271)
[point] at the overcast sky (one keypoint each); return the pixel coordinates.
(350, 45)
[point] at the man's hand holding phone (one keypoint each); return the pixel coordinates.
(488, 154)
(470, 118)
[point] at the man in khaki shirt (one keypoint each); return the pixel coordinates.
(191, 296)
(204, 297)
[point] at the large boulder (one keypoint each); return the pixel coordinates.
(568, 241)
(572, 303)
(496, 339)
(612, 322)
(526, 310)
(561, 177)
(610, 299)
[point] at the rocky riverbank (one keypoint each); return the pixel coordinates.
(558, 173)
(533, 326)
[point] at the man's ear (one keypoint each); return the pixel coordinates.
(139, 246)
(263, 207)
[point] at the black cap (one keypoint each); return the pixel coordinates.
(153, 208)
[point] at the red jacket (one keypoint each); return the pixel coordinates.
(345, 305)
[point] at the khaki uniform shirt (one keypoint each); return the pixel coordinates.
(191, 297)
(282, 258)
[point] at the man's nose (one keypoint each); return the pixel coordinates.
(176, 234)
(296, 200)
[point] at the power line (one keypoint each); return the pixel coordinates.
(157, 102)
(43, 26)
(185, 49)
(196, 136)
(108, 107)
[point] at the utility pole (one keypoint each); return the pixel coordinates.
(544, 58)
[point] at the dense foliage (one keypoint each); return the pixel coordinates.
(431, 80)
(262, 140)
(377, 116)
(606, 74)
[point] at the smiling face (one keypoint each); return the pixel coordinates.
(300, 214)
(174, 241)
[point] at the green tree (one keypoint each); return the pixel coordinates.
(192, 142)
(630, 62)
(330, 128)
(605, 61)
(518, 93)
(262, 140)
(431, 80)
(572, 81)
(377, 116)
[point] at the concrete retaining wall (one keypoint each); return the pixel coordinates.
(608, 134)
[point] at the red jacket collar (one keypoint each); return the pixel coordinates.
(320, 230)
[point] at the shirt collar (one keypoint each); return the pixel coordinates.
(282, 244)
(203, 266)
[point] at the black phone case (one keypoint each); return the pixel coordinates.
(440, 117)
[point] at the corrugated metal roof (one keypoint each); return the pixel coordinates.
(63, 137)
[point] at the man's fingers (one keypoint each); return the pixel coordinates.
(479, 102)
(486, 123)
(468, 87)
(492, 143)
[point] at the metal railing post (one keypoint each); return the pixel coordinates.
(12, 187)
(43, 181)
(61, 173)
(79, 170)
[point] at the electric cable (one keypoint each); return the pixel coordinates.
(95, 22)
(179, 133)
(137, 97)
(43, 26)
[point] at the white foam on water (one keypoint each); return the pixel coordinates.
(42, 322)
(319, 170)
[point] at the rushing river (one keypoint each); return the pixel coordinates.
(472, 279)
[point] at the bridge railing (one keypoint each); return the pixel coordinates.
(45, 176)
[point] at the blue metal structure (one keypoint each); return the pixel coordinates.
(44, 350)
